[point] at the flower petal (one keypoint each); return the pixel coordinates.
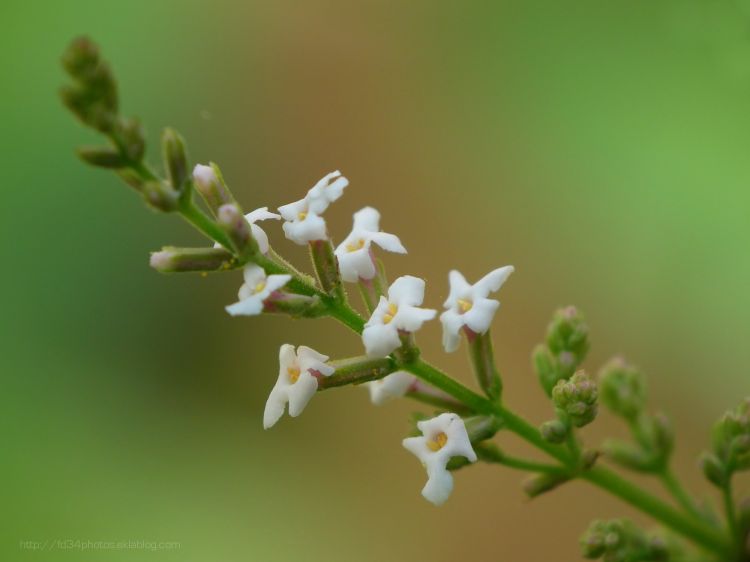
(389, 242)
(380, 339)
(301, 392)
(367, 219)
(407, 290)
(492, 281)
(458, 287)
(261, 214)
(479, 318)
(251, 306)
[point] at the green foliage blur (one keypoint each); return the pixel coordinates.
(599, 147)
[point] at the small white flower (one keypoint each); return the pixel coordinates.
(399, 312)
(326, 191)
(304, 222)
(256, 289)
(258, 233)
(468, 305)
(443, 437)
(297, 382)
(394, 385)
(353, 254)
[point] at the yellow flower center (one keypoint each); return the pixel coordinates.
(437, 442)
(259, 287)
(465, 305)
(293, 373)
(357, 246)
(388, 316)
(302, 215)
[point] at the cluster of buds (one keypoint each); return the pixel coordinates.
(564, 350)
(623, 392)
(620, 540)
(730, 442)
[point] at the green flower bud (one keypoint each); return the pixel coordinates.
(554, 431)
(130, 138)
(480, 428)
(568, 334)
(233, 222)
(172, 260)
(713, 469)
(545, 366)
(628, 455)
(175, 158)
(94, 99)
(211, 185)
(101, 156)
(619, 540)
(623, 388)
(731, 437)
(541, 483)
(577, 398)
(160, 196)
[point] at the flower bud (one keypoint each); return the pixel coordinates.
(545, 366)
(541, 483)
(577, 399)
(623, 389)
(621, 540)
(160, 195)
(130, 138)
(628, 455)
(554, 431)
(94, 99)
(210, 184)
(175, 158)
(568, 332)
(172, 260)
(731, 437)
(480, 428)
(713, 469)
(101, 156)
(233, 222)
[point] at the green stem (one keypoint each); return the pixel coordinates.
(726, 494)
(438, 379)
(202, 222)
(679, 493)
(448, 404)
(633, 495)
(495, 456)
(357, 370)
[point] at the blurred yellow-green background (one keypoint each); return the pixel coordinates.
(603, 148)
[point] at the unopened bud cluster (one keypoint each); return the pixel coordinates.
(564, 350)
(620, 540)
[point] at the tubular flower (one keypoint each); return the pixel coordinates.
(442, 438)
(256, 289)
(394, 385)
(303, 220)
(398, 313)
(354, 254)
(468, 305)
(297, 382)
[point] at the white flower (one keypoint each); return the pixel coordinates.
(394, 385)
(255, 290)
(304, 222)
(468, 305)
(326, 191)
(443, 437)
(297, 382)
(258, 233)
(399, 312)
(354, 256)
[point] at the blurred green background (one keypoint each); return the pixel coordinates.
(600, 147)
